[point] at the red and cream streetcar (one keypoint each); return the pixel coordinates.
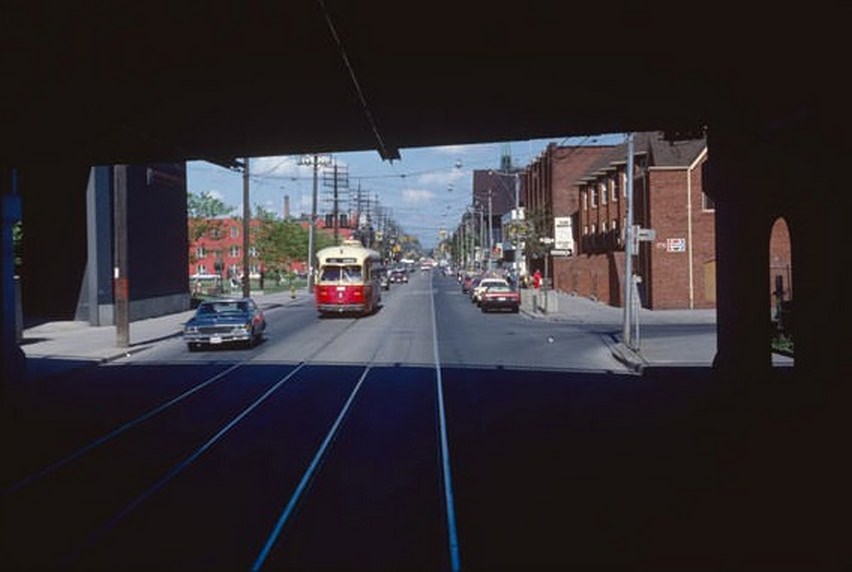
(348, 279)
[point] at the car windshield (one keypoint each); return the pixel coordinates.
(211, 308)
(498, 288)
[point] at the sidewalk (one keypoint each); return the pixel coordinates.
(685, 338)
(73, 340)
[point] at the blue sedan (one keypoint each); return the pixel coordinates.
(216, 322)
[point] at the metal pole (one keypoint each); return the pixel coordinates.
(627, 333)
(490, 233)
(481, 236)
(246, 231)
(517, 191)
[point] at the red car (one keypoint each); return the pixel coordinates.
(500, 297)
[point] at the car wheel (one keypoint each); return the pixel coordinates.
(516, 309)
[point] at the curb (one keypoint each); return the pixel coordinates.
(633, 360)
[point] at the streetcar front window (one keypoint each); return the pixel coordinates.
(331, 274)
(349, 273)
(352, 273)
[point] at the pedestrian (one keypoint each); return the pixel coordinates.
(537, 279)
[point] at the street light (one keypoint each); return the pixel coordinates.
(517, 210)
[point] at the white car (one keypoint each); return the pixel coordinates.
(476, 294)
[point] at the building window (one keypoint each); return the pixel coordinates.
(201, 269)
(594, 228)
(616, 187)
(585, 230)
(707, 202)
(623, 179)
(585, 200)
(215, 233)
(252, 251)
(235, 232)
(233, 270)
(200, 252)
(603, 193)
(254, 269)
(594, 192)
(234, 251)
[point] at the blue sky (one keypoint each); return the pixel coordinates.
(425, 191)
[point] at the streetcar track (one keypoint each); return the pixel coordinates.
(114, 520)
(92, 538)
(94, 444)
(323, 450)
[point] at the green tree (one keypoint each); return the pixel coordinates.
(279, 243)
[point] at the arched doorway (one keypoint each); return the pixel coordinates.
(781, 288)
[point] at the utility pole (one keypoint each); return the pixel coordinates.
(517, 192)
(490, 232)
(246, 230)
(120, 273)
(314, 161)
(335, 210)
(627, 333)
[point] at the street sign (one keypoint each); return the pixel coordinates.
(562, 252)
(546, 240)
(646, 234)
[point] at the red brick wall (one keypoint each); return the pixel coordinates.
(668, 272)
(597, 276)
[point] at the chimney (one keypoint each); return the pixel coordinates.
(286, 207)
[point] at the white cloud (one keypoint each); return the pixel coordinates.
(450, 176)
(286, 166)
(416, 196)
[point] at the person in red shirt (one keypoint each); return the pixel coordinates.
(537, 279)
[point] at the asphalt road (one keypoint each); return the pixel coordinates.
(428, 436)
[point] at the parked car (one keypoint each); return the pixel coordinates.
(500, 297)
(223, 321)
(476, 293)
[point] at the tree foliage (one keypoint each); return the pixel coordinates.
(281, 242)
(205, 211)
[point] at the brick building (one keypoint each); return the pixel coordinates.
(550, 184)
(220, 249)
(677, 267)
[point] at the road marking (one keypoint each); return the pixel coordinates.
(455, 561)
